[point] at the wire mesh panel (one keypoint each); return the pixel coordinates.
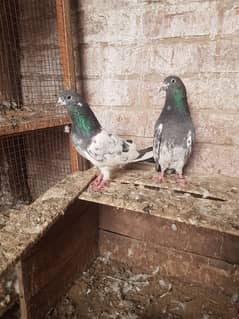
(29, 54)
(41, 71)
(35, 65)
(47, 158)
(31, 73)
(31, 163)
(32, 159)
(10, 86)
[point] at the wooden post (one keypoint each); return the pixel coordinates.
(48, 269)
(67, 59)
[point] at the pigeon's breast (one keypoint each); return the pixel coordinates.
(79, 144)
(172, 155)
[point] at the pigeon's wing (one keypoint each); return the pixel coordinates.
(157, 142)
(190, 139)
(110, 150)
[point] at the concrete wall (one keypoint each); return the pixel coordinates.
(127, 47)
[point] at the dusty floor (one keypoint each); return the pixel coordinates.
(110, 290)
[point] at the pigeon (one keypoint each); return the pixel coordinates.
(174, 132)
(104, 150)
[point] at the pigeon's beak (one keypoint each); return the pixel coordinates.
(164, 87)
(60, 101)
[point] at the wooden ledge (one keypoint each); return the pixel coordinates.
(207, 202)
(15, 122)
(23, 229)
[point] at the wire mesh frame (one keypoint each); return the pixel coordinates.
(30, 62)
(31, 163)
(36, 60)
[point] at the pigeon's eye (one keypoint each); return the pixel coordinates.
(68, 97)
(173, 81)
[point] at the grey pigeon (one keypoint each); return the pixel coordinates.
(174, 132)
(104, 150)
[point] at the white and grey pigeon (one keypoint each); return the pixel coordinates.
(104, 150)
(174, 132)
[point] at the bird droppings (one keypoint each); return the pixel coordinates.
(235, 298)
(22, 226)
(115, 290)
(8, 293)
(201, 202)
(109, 289)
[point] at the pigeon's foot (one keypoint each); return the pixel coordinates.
(97, 180)
(181, 180)
(159, 178)
(96, 187)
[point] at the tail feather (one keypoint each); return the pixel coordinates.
(144, 155)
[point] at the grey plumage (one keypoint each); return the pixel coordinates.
(174, 131)
(104, 150)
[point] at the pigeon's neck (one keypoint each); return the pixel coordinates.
(84, 121)
(178, 100)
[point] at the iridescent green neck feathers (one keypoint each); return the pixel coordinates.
(84, 122)
(176, 97)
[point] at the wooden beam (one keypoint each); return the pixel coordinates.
(65, 42)
(188, 267)
(208, 202)
(21, 122)
(67, 59)
(36, 219)
(170, 234)
(49, 268)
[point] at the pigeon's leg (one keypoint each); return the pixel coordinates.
(100, 186)
(160, 177)
(97, 180)
(181, 180)
(101, 180)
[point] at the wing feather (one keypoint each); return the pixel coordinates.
(157, 142)
(110, 150)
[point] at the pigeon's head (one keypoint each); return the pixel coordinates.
(70, 99)
(173, 84)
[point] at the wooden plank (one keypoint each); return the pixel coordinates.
(22, 299)
(78, 221)
(74, 157)
(191, 268)
(65, 42)
(180, 236)
(23, 230)
(20, 122)
(67, 59)
(66, 250)
(8, 294)
(207, 202)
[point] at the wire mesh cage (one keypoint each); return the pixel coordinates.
(30, 163)
(35, 66)
(34, 150)
(30, 66)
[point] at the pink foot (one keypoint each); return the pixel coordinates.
(97, 188)
(159, 178)
(181, 180)
(97, 184)
(97, 180)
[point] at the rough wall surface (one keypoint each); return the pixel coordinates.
(127, 47)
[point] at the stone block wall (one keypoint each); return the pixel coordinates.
(127, 47)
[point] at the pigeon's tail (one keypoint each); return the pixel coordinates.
(145, 155)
